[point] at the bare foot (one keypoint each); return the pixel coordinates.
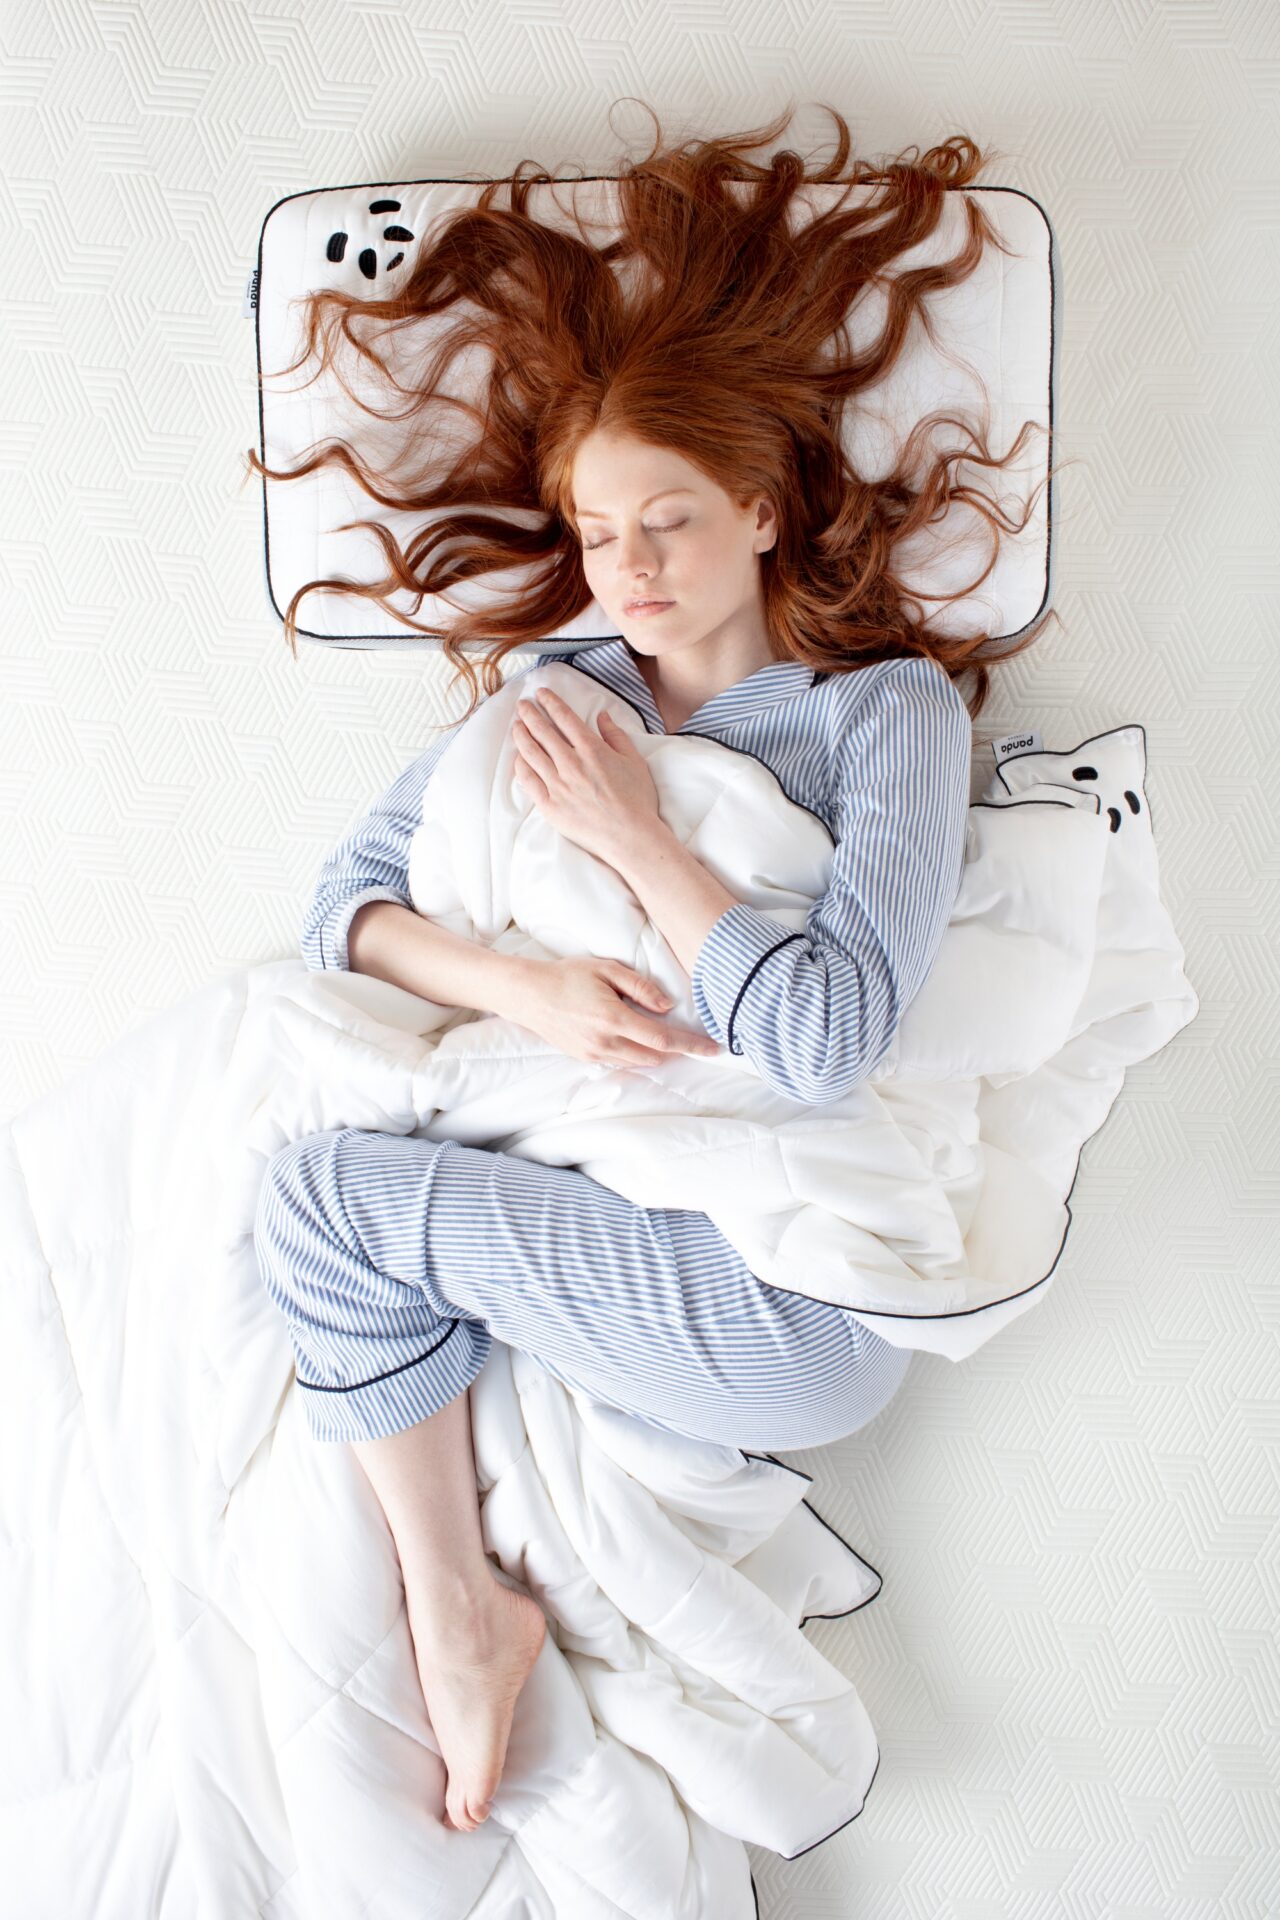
(471, 1676)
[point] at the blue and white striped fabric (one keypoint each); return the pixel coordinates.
(397, 1260)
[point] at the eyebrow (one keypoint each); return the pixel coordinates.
(589, 513)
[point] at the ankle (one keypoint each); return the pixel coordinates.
(451, 1608)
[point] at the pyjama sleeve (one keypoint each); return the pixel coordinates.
(816, 1011)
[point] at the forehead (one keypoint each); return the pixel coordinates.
(616, 475)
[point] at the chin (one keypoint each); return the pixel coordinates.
(646, 630)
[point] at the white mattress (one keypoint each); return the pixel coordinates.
(1072, 1665)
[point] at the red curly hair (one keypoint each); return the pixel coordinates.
(735, 353)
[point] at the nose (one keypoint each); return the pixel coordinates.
(635, 556)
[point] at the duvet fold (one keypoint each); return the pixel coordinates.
(219, 1701)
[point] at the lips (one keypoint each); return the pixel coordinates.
(639, 606)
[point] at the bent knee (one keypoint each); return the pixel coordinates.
(289, 1187)
(884, 1368)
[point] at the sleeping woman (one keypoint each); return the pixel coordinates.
(687, 450)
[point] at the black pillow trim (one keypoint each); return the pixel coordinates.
(367, 642)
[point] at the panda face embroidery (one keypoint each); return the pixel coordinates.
(1086, 775)
(367, 259)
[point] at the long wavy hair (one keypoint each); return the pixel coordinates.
(735, 352)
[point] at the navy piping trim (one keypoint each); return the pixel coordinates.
(749, 1454)
(730, 746)
(785, 941)
(314, 1386)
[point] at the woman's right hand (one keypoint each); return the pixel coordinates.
(590, 1008)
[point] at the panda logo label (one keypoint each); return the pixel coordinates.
(367, 258)
(1016, 743)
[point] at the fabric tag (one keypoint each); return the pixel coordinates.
(1015, 743)
(249, 305)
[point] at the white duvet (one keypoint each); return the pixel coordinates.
(210, 1693)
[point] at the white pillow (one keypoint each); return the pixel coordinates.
(998, 331)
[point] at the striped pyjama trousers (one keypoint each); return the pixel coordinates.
(397, 1261)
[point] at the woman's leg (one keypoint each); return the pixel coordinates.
(475, 1639)
(397, 1260)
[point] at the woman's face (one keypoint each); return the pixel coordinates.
(653, 527)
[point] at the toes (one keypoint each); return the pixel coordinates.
(468, 1817)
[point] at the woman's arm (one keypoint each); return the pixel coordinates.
(362, 917)
(815, 1012)
(403, 946)
(372, 863)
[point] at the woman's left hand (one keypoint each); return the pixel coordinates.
(596, 788)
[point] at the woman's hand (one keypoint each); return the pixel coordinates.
(582, 1006)
(595, 788)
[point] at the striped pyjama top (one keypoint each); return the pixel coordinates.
(397, 1261)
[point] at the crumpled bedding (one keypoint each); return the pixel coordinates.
(217, 1708)
(930, 1198)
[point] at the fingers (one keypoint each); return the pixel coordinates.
(645, 1032)
(635, 985)
(624, 1053)
(548, 720)
(533, 748)
(550, 706)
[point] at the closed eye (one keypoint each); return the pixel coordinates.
(591, 545)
